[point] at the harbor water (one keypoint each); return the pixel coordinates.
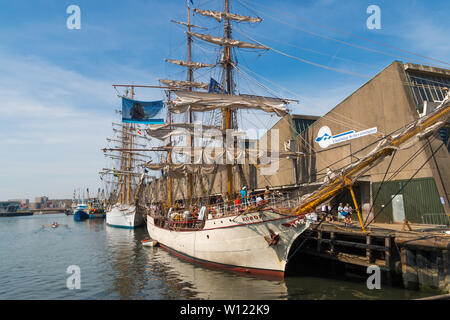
(113, 264)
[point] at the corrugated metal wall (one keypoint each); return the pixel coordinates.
(420, 196)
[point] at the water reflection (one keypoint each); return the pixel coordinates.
(115, 265)
(152, 273)
(202, 283)
(128, 265)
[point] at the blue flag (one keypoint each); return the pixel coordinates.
(142, 112)
(215, 87)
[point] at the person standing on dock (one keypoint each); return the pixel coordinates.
(347, 213)
(340, 212)
(244, 196)
(252, 196)
(267, 193)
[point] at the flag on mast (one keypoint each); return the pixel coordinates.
(144, 112)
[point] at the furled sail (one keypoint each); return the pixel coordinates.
(223, 15)
(168, 130)
(162, 132)
(176, 83)
(212, 154)
(181, 169)
(188, 25)
(195, 65)
(203, 101)
(227, 42)
(116, 172)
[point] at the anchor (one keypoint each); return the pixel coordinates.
(273, 239)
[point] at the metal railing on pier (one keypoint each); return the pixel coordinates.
(436, 219)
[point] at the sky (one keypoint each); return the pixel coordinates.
(57, 100)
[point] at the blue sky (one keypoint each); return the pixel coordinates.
(55, 83)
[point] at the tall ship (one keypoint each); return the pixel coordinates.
(123, 178)
(252, 233)
(249, 233)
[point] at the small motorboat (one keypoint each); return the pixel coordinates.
(149, 243)
(54, 225)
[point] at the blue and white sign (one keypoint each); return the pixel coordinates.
(325, 138)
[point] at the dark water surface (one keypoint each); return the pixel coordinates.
(114, 265)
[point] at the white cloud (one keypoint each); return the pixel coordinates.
(53, 124)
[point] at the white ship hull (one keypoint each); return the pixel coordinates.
(124, 216)
(236, 243)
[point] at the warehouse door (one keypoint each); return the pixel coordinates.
(398, 208)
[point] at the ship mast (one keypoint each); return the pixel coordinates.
(227, 65)
(190, 80)
(130, 159)
(169, 155)
(122, 178)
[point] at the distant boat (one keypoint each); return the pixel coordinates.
(124, 216)
(97, 212)
(81, 212)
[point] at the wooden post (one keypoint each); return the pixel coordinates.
(388, 258)
(445, 271)
(368, 251)
(409, 269)
(332, 237)
(319, 242)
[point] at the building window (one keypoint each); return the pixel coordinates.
(427, 87)
(301, 125)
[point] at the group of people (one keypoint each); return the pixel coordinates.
(343, 213)
(252, 198)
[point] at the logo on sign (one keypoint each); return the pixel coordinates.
(325, 138)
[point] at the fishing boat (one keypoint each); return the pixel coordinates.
(96, 210)
(81, 212)
(252, 235)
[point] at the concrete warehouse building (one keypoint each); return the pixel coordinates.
(398, 95)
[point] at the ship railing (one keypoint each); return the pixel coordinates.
(436, 219)
(249, 204)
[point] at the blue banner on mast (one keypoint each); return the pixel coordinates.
(215, 87)
(144, 112)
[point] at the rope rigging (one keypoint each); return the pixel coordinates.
(404, 185)
(337, 40)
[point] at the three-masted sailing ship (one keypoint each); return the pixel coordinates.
(254, 236)
(125, 178)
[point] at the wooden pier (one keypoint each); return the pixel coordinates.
(419, 256)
